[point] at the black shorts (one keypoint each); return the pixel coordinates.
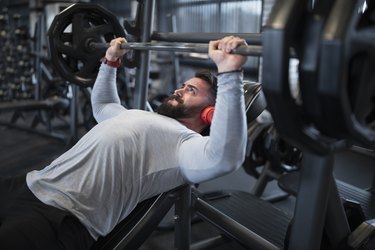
(28, 223)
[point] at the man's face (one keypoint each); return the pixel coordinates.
(187, 101)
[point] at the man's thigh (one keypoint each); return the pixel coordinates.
(27, 222)
(27, 231)
(10, 189)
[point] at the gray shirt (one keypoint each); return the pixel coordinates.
(132, 155)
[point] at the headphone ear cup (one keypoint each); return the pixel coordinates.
(207, 114)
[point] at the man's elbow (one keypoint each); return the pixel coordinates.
(235, 159)
(233, 165)
(97, 113)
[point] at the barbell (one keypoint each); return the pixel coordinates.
(247, 50)
(80, 34)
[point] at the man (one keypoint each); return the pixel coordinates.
(131, 155)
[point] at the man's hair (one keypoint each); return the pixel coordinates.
(210, 79)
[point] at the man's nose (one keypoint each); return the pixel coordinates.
(178, 92)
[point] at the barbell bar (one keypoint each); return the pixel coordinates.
(246, 50)
(203, 37)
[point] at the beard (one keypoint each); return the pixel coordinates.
(172, 111)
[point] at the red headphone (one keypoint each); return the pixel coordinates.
(207, 114)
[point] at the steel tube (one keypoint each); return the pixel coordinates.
(231, 227)
(143, 70)
(250, 50)
(203, 37)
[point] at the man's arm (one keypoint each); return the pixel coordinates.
(204, 158)
(104, 97)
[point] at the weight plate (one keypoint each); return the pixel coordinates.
(70, 34)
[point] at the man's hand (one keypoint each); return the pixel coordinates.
(220, 52)
(114, 52)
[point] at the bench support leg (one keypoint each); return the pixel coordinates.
(183, 220)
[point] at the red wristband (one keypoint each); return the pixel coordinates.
(114, 64)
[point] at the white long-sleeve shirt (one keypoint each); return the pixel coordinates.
(132, 155)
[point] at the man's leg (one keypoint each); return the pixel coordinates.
(73, 235)
(33, 231)
(9, 189)
(20, 226)
(27, 223)
(27, 231)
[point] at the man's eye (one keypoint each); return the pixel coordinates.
(191, 89)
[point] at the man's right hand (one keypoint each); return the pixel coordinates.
(220, 51)
(114, 52)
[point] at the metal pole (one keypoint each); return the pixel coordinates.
(246, 50)
(38, 48)
(74, 114)
(182, 234)
(312, 201)
(251, 50)
(175, 59)
(143, 70)
(203, 37)
(336, 223)
(231, 227)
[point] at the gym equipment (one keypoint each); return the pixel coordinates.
(79, 36)
(130, 234)
(358, 204)
(345, 91)
(16, 69)
(318, 195)
(68, 36)
(176, 47)
(268, 157)
(190, 37)
(32, 97)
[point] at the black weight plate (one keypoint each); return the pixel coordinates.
(69, 35)
(346, 84)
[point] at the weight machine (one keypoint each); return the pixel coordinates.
(334, 43)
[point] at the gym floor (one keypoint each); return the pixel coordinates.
(22, 151)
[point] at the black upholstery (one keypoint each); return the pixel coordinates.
(122, 229)
(255, 101)
(139, 224)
